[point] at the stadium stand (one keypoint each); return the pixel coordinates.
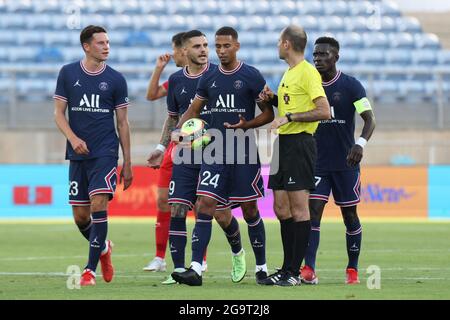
(374, 35)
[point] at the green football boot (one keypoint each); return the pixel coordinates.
(239, 268)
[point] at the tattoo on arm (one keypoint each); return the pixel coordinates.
(169, 126)
(179, 210)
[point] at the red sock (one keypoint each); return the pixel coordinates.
(162, 233)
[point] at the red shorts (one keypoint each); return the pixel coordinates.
(165, 171)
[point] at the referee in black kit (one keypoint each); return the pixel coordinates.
(302, 103)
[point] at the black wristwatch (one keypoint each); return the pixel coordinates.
(288, 116)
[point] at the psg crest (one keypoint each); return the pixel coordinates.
(103, 86)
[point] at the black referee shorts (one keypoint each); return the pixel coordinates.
(297, 159)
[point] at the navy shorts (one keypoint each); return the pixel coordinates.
(183, 186)
(231, 183)
(345, 185)
(90, 177)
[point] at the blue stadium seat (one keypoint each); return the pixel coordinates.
(62, 22)
(182, 7)
(387, 24)
(137, 39)
(385, 90)
(350, 40)
(22, 54)
(49, 55)
(252, 23)
(13, 21)
(348, 56)
(283, 7)
(58, 38)
(444, 57)
(30, 38)
(46, 7)
(95, 19)
(402, 40)
(40, 22)
(157, 7)
(260, 7)
(202, 22)
(398, 57)
(424, 57)
(119, 22)
(130, 7)
(375, 40)
(332, 24)
(2, 6)
(246, 55)
(337, 8)
(265, 56)
(162, 38)
(408, 24)
(209, 7)
(4, 56)
(361, 8)
(277, 23)
(248, 40)
(174, 23)
(268, 39)
(310, 8)
(356, 24)
(148, 22)
(232, 7)
(371, 57)
(71, 54)
(19, 6)
(228, 20)
(427, 41)
(309, 23)
(7, 38)
(103, 7)
(137, 88)
(411, 90)
(31, 89)
(131, 55)
(389, 8)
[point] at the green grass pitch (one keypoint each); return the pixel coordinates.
(413, 258)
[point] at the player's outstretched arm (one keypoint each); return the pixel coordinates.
(356, 152)
(123, 128)
(78, 145)
(193, 111)
(155, 90)
(156, 156)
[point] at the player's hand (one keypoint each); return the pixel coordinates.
(163, 60)
(278, 122)
(355, 155)
(267, 94)
(155, 159)
(127, 176)
(175, 136)
(79, 146)
(242, 124)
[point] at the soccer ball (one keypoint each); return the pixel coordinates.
(193, 132)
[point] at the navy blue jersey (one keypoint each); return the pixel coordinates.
(182, 89)
(230, 94)
(335, 137)
(92, 99)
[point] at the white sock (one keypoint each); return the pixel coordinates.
(179, 270)
(106, 248)
(197, 267)
(261, 268)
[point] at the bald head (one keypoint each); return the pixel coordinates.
(296, 36)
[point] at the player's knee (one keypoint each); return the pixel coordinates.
(282, 212)
(223, 217)
(99, 202)
(249, 211)
(162, 204)
(206, 205)
(350, 215)
(179, 210)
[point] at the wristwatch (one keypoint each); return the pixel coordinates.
(288, 116)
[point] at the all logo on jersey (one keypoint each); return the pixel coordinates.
(228, 102)
(94, 103)
(238, 84)
(103, 86)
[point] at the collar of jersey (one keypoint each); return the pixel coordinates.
(92, 73)
(231, 71)
(329, 83)
(195, 76)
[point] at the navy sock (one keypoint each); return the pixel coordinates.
(287, 239)
(201, 236)
(353, 237)
(86, 229)
(234, 235)
(313, 245)
(177, 240)
(97, 238)
(257, 235)
(302, 229)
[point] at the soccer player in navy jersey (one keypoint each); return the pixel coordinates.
(185, 176)
(337, 168)
(231, 91)
(92, 92)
